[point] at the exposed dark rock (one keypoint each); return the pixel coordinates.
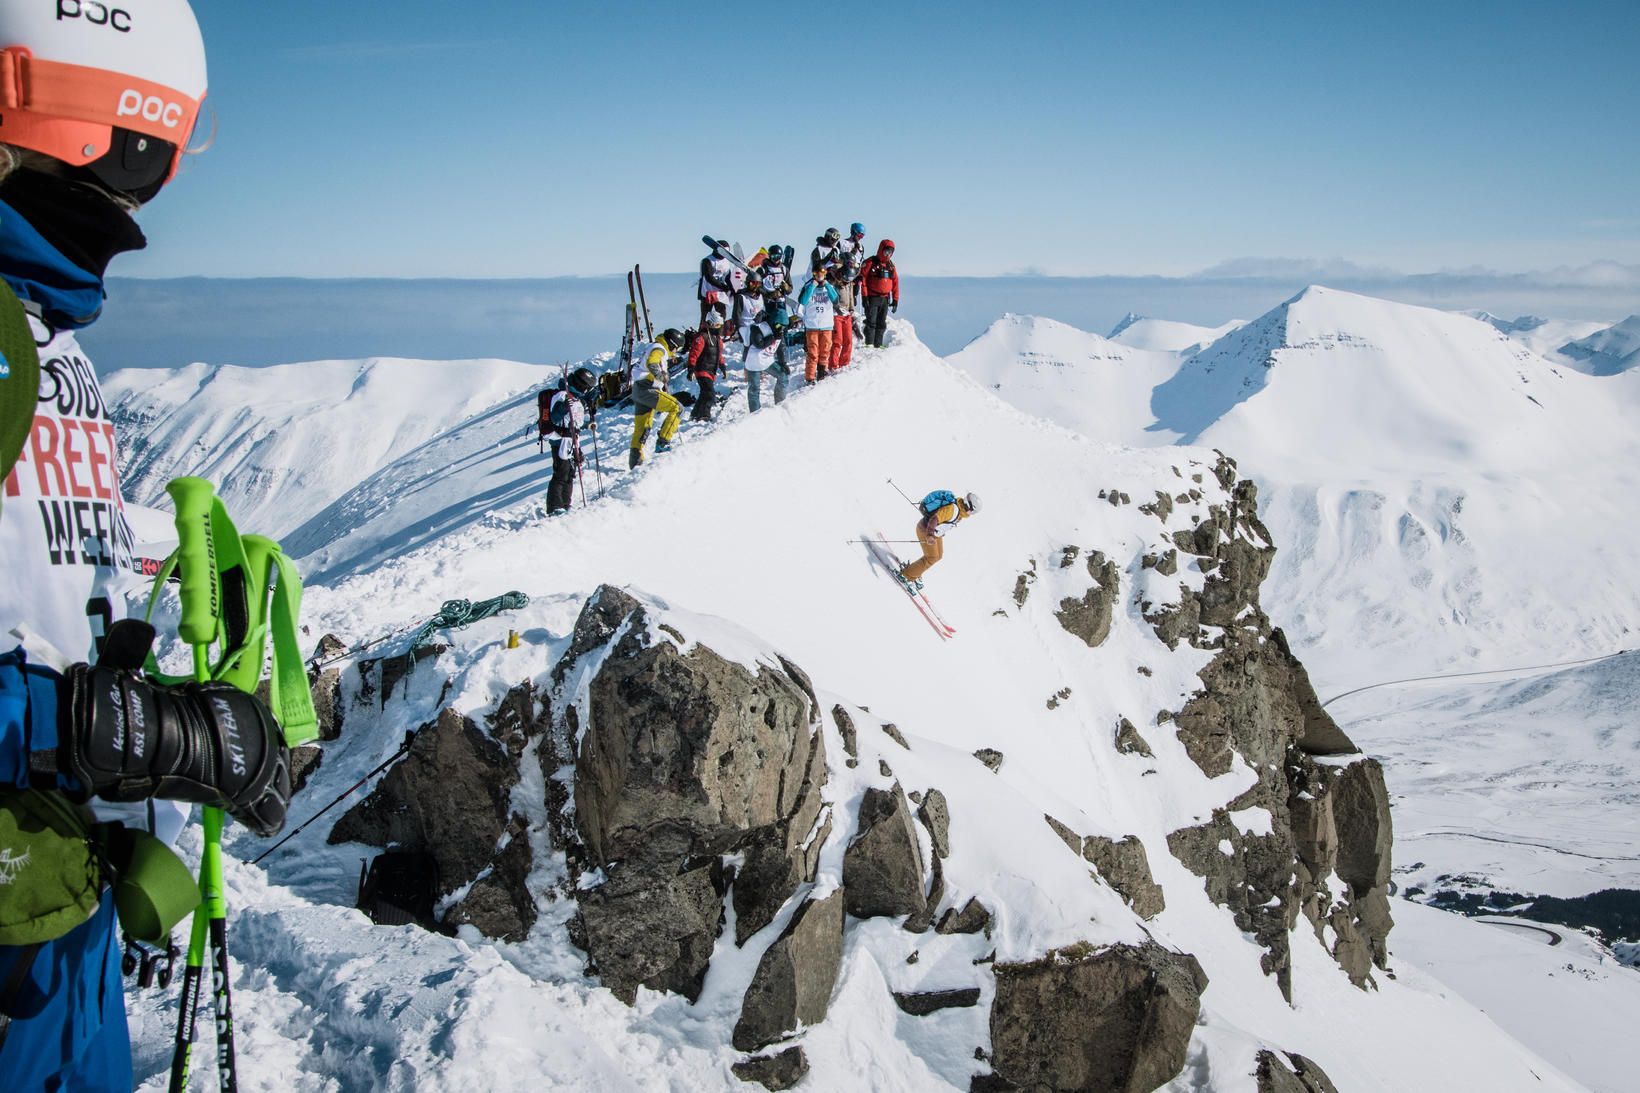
(326, 686)
(1114, 1021)
(884, 769)
(1253, 878)
(883, 866)
(684, 758)
(1022, 584)
(845, 726)
(498, 903)
(644, 927)
(518, 718)
(305, 762)
(935, 815)
(1059, 696)
(1161, 508)
(1068, 555)
(924, 1003)
(1125, 867)
(990, 757)
(1129, 742)
(794, 979)
(1071, 838)
(972, 919)
(895, 735)
(782, 1070)
(1089, 617)
(449, 796)
(1341, 827)
(1292, 1074)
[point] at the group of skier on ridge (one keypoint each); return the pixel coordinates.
(752, 303)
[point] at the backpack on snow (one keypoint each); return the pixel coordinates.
(936, 501)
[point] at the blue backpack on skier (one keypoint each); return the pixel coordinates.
(936, 501)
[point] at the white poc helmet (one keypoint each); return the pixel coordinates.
(972, 501)
(114, 86)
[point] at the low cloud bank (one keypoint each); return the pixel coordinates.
(261, 321)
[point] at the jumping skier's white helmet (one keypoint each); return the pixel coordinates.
(114, 86)
(972, 501)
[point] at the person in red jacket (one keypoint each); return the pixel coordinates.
(880, 283)
(706, 365)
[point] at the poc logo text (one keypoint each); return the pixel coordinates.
(97, 14)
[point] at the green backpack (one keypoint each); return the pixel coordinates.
(55, 863)
(19, 378)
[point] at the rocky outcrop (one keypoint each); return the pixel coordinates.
(923, 1003)
(449, 797)
(681, 758)
(972, 918)
(1125, 866)
(883, 867)
(1257, 702)
(793, 983)
(782, 1070)
(325, 684)
(1129, 742)
(1289, 1073)
(1117, 1020)
(1089, 616)
(1342, 833)
(1252, 876)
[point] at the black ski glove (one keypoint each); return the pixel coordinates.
(894, 307)
(130, 739)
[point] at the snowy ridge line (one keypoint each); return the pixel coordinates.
(1467, 675)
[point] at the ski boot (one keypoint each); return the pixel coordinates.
(662, 446)
(912, 587)
(634, 456)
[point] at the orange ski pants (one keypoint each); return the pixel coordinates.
(816, 353)
(933, 548)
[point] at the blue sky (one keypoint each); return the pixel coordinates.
(425, 138)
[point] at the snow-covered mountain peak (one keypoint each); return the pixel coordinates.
(285, 441)
(1607, 352)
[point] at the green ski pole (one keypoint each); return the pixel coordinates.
(201, 620)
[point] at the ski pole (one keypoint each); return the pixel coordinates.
(908, 542)
(901, 492)
(409, 739)
(201, 602)
(596, 465)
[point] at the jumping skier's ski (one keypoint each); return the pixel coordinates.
(887, 559)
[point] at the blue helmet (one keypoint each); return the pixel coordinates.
(856, 228)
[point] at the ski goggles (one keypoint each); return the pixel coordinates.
(128, 132)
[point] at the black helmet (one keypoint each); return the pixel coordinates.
(776, 250)
(724, 243)
(833, 235)
(581, 381)
(673, 337)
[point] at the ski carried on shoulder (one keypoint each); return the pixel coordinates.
(888, 560)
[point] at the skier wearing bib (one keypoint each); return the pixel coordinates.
(775, 277)
(706, 365)
(826, 254)
(880, 283)
(851, 260)
(714, 289)
(762, 344)
(567, 413)
(649, 381)
(75, 162)
(819, 303)
(942, 510)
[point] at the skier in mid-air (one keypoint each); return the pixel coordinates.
(942, 510)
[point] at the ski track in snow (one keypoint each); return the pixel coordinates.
(748, 519)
